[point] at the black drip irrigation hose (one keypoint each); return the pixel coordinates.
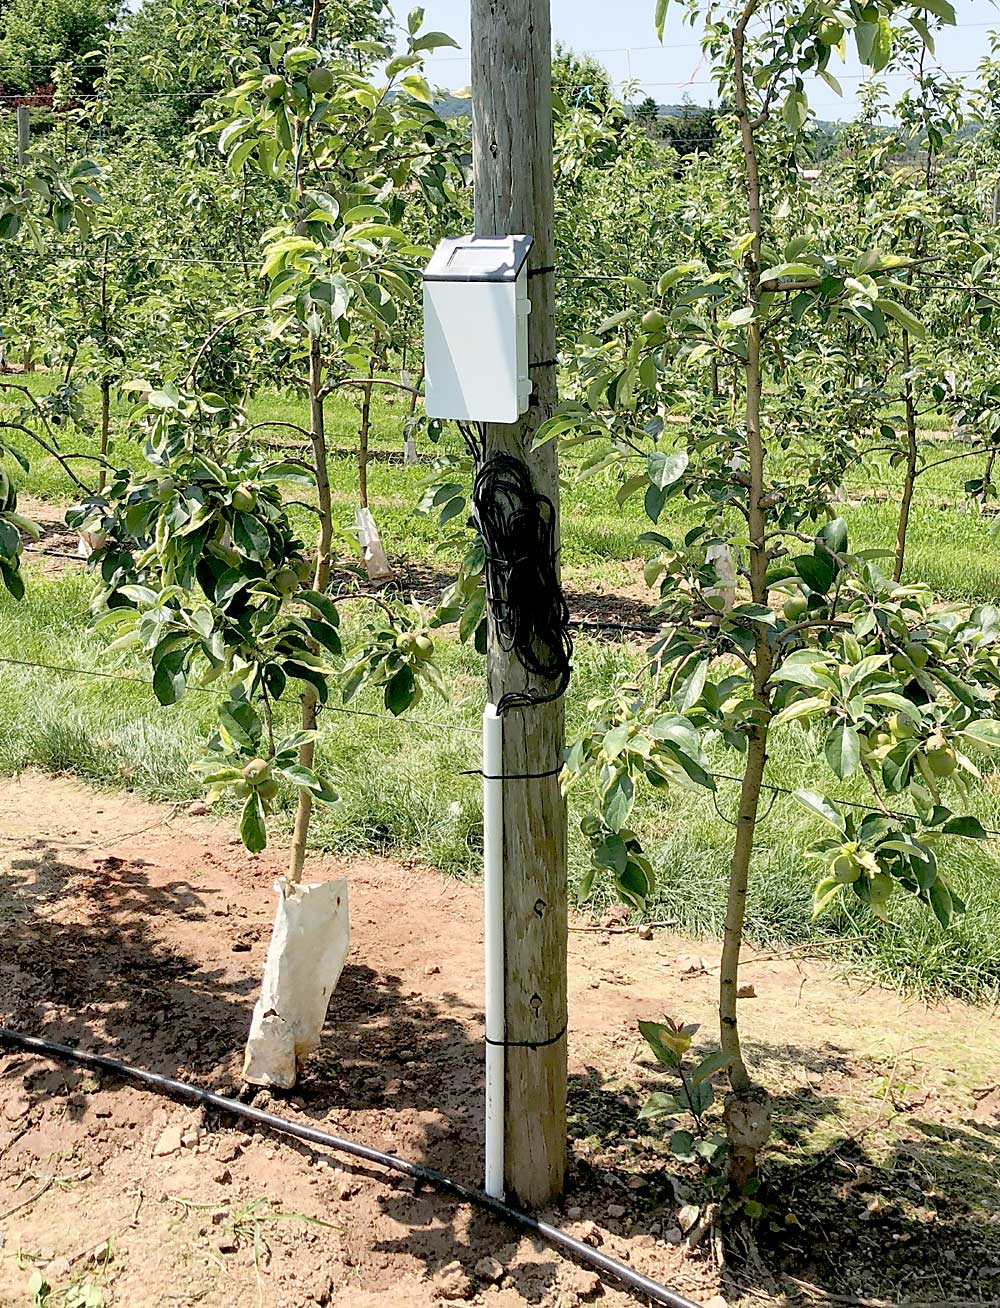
(193, 1094)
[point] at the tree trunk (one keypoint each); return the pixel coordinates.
(512, 155)
(102, 475)
(991, 459)
(363, 433)
(910, 476)
(747, 1111)
(321, 580)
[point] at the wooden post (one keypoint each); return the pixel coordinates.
(512, 151)
(23, 134)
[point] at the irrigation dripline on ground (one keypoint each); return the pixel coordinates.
(192, 1094)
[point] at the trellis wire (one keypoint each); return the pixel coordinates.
(68, 670)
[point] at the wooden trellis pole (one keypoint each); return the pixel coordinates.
(512, 148)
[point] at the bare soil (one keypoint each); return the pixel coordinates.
(140, 932)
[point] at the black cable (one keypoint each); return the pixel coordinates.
(193, 1094)
(529, 1044)
(530, 614)
(511, 776)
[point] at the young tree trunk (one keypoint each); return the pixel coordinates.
(105, 379)
(363, 433)
(910, 476)
(747, 1110)
(321, 580)
(991, 459)
(102, 475)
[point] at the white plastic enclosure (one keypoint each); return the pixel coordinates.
(476, 310)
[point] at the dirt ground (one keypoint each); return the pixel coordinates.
(139, 932)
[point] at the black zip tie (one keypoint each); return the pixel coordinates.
(528, 1044)
(545, 363)
(540, 272)
(512, 776)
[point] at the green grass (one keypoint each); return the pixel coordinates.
(400, 783)
(402, 793)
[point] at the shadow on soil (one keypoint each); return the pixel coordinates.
(895, 1207)
(85, 960)
(907, 1210)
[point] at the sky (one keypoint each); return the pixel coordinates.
(620, 34)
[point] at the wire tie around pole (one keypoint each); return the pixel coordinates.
(511, 776)
(529, 1044)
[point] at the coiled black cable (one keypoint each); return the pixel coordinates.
(517, 526)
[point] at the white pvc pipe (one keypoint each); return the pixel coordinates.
(493, 892)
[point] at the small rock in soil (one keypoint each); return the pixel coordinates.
(616, 1210)
(198, 808)
(453, 1282)
(17, 1106)
(574, 1214)
(581, 1281)
(488, 1269)
(673, 1235)
(170, 1142)
(590, 1233)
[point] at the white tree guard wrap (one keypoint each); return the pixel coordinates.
(306, 956)
(376, 563)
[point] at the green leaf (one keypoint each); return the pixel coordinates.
(250, 537)
(661, 18)
(435, 41)
(170, 676)
(665, 469)
(712, 1063)
(292, 473)
(824, 895)
(323, 605)
(843, 750)
(820, 807)
(682, 1146)
(618, 801)
(657, 1036)
(400, 691)
(691, 686)
(659, 1104)
(612, 853)
(941, 902)
(834, 533)
(816, 570)
(654, 501)
(795, 110)
(635, 884)
(985, 733)
(241, 722)
(252, 830)
(970, 827)
(804, 668)
(907, 320)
